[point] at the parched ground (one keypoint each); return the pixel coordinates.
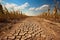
(33, 28)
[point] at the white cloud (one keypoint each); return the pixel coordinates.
(36, 11)
(43, 7)
(15, 6)
(24, 5)
(0, 0)
(10, 5)
(31, 8)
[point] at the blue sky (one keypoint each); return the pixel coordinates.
(29, 7)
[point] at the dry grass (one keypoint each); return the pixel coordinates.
(9, 16)
(7, 19)
(52, 17)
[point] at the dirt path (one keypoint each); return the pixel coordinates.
(34, 28)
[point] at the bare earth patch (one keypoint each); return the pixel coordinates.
(33, 28)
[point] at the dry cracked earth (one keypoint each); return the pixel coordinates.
(34, 28)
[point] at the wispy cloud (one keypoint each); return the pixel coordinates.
(11, 5)
(32, 9)
(16, 7)
(43, 7)
(37, 10)
(23, 6)
(1, 1)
